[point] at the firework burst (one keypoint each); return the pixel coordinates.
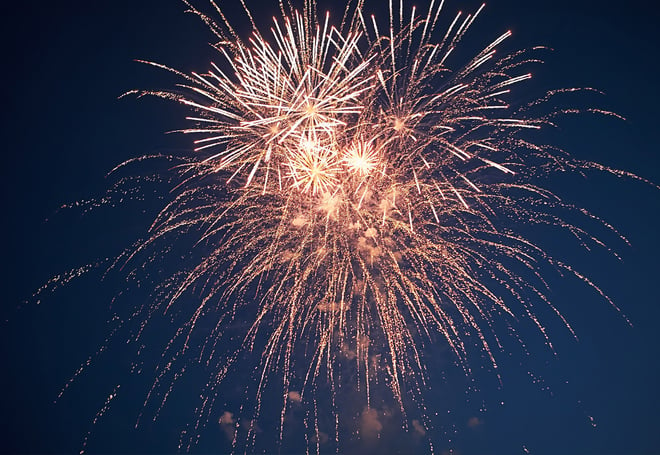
(352, 196)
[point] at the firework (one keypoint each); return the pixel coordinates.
(352, 196)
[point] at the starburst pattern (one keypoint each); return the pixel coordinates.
(352, 196)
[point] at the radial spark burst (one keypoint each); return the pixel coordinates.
(354, 194)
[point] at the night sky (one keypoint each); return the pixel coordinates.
(64, 65)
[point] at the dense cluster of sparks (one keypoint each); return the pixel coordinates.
(355, 196)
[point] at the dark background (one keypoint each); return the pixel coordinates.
(64, 64)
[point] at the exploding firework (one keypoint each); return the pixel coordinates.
(353, 196)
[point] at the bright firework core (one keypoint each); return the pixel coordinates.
(331, 114)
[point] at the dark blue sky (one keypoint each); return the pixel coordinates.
(64, 65)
